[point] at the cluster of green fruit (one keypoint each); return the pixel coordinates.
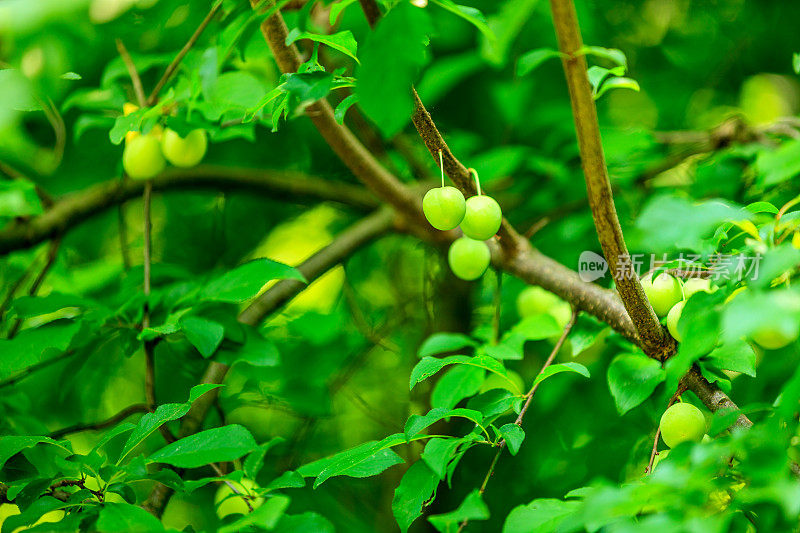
(668, 296)
(479, 218)
(146, 154)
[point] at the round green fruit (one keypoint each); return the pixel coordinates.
(694, 285)
(444, 207)
(142, 158)
(229, 503)
(672, 319)
(773, 338)
(482, 218)
(534, 301)
(663, 292)
(682, 422)
(184, 151)
(468, 258)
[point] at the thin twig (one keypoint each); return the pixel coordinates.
(498, 298)
(22, 374)
(654, 452)
(94, 426)
(217, 470)
(122, 230)
(528, 400)
(52, 254)
(601, 201)
(132, 72)
(173, 66)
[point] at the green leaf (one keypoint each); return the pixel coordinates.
(126, 517)
(205, 335)
(617, 83)
(506, 26)
(530, 61)
(306, 522)
(343, 462)
(30, 306)
(780, 164)
(13, 444)
(612, 54)
(737, 356)
(18, 198)
(493, 402)
(417, 423)
(559, 368)
(226, 443)
(255, 461)
(472, 508)
(632, 378)
(414, 492)
(265, 516)
(342, 41)
(796, 63)
(336, 10)
(150, 422)
(256, 350)
(428, 366)
(540, 516)
(29, 516)
(439, 452)
(456, 384)
(247, 280)
(36, 345)
(341, 109)
(762, 207)
(439, 343)
(384, 87)
(513, 435)
(470, 14)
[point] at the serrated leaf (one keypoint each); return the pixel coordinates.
(226, 443)
(343, 462)
(472, 508)
(428, 366)
(417, 423)
(559, 368)
(513, 435)
(439, 452)
(245, 281)
(530, 61)
(384, 87)
(632, 378)
(342, 41)
(414, 492)
(439, 343)
(204, 334)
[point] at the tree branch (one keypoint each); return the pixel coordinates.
(601, 201)
(77, 207)
(173, 66)
(138, 90)
(346, 243)
(112, 421)
(52, 254)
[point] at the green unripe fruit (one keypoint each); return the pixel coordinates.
(695, 285)
(142, 158)
(468, 258)
(444, 207)
(663, 292)
(672, 320)
(184, 151)
(682, 422)
(229, 503)
(773, 338)
(534, 301)
(482, 218)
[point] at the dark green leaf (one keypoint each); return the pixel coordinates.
(472, 508)
(632, 378)
(416, 489)
(513, 435)
(221, 444)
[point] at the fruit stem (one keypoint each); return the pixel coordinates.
(441, 166)
(477, 181)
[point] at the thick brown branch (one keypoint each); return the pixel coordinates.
(654, 340)
(275, 184)
(346, 243)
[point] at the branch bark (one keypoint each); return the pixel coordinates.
(655, 341)
(348, 242)
(75, 208)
